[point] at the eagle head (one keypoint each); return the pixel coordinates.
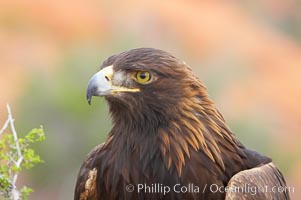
(145, 82)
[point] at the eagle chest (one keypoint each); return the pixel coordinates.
(132, 177)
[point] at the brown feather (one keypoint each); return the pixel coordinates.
(262, 182)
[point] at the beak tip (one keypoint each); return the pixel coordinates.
(89, 98)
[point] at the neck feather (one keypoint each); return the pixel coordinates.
(193, 125)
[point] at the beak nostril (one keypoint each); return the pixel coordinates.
(107, 78)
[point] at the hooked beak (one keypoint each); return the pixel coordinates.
(101, 84)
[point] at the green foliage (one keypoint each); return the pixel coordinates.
(17, 154)
(25, 191)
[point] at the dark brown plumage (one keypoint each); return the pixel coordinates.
(166, 131)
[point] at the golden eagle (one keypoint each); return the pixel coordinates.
(168, 140)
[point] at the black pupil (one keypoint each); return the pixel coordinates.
(143, 75)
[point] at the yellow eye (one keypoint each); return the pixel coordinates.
(142, 77)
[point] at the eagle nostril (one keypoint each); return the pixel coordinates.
(107, 78)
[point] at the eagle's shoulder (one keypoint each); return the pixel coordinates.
(85, 188)
(262, 182)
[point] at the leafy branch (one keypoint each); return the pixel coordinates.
(15, 155)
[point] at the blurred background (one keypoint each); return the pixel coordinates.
(248, 53)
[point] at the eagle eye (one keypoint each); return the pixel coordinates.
(142, 77)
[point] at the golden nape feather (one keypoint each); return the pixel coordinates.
(168, 141)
